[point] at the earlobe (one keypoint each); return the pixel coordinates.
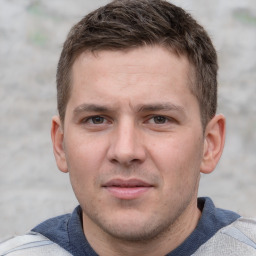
(213, 143)
(57, 135)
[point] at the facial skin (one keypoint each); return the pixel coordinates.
(134, 146)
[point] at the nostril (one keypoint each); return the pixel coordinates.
(125, 162)
(126, 147)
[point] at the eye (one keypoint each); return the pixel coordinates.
(161, 122)
(159, 119)
(95, 120)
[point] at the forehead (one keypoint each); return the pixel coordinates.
(141, 73)
(133, 55)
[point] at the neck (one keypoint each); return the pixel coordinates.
(106, 245)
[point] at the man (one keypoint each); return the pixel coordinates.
(137, 124)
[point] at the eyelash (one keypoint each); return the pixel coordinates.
(160, 118)
(104, 119)
(90, 119)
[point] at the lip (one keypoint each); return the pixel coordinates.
(127, 189)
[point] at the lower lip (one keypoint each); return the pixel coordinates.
(127, 193)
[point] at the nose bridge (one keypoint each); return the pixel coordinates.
(126, 146)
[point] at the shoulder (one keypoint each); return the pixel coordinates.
(32, 244)
(59, 222)
(238, 238)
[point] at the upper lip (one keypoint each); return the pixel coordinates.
(126, 183)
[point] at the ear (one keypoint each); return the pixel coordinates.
(213, 143)
(57, 134)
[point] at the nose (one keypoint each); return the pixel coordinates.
(126, 145)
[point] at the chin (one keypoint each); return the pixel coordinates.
(135, 229)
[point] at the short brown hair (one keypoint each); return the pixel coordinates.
(126, 24)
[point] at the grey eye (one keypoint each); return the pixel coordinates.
(97, 120)
(159, 119)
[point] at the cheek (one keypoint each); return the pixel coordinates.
(83, 163)
(83, 151)
(82, 171)
(86, 159)
(178, 160)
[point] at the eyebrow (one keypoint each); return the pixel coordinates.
(141, 108)
(91, 108)
(161, 107)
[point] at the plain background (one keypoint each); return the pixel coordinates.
(31, 36)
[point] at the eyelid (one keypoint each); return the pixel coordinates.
(109, 120)
(168, 118)
(88, 118)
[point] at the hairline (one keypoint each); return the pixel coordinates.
(192, 77)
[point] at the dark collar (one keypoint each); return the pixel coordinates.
(67, 231)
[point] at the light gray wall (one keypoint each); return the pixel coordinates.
(31, 36)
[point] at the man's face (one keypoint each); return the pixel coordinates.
(133, 141)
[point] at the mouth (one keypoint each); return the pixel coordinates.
(127, 189)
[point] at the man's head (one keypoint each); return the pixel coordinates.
(135, 81)
(124, 24)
